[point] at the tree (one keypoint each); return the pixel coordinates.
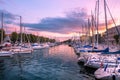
(100, 39)
(116, 37)
(32, 38)
(2, 30)
(14, 37)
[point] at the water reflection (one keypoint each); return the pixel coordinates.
(64, 52)
(56, 63)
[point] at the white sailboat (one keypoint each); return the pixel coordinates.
(36, 46)
(109, 71)
(22, 48)
(4, 52)
(95, 61)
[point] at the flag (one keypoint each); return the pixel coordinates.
(105, 67)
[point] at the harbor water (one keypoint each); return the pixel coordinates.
(56, 63)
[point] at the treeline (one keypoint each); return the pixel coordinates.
(14, 36)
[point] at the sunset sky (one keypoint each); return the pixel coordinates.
(53, 18)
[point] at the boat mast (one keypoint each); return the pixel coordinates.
(2, 28)
(106, 20)
(85, 29)
(89, 31)
(97, 22)
(92, 28)
(82, 35)
(79, 37)
(20, 30)
(24, 34)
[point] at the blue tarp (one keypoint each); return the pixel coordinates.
(105, 50)
(116, 52)
(118, 58)
(82, 51)
(87, 46)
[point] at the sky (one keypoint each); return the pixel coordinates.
(54, 18)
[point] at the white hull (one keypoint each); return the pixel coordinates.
(101, 74)
(37, 47)
(6, 54)
(93, 65)
(22, 50)
(108, 74)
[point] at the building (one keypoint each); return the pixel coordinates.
(111, 32)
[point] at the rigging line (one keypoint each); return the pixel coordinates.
(97, 22)
(95, 12)
(113, 20)
(89, 29)
(92, 28)
(106, 23)
(26, 35)
(114, 24)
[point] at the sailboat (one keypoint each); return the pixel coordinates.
(21, 47)
(90, 49)
(37, 45)
(95, 23)
(95, 61)
(109, 71)
(4, 52)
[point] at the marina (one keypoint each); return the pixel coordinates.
(41, 43)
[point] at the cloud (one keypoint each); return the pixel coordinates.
(72, 22)
(8, 17)
(78, 13)
(102, 26)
